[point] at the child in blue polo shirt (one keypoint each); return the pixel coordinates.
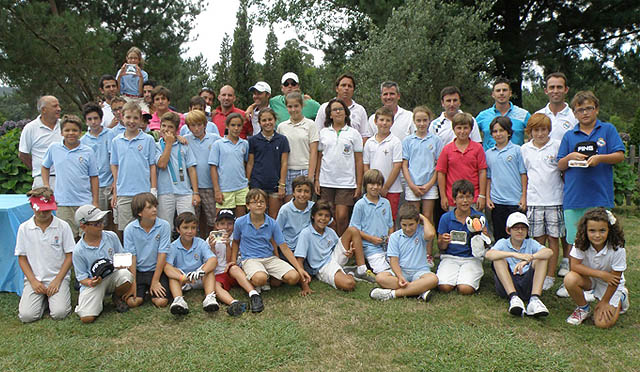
(76, 171)
(410, 273)
(94, 245)
(373, 218)
(506, 176)
(117, 103)
(99, 139)
(190, 261)
(520, 266)
(198, 103)
(147, 238)
(267, 164)
(326, 254)
(177, 178)
(133, 164)
(458, 267)
(227, 160)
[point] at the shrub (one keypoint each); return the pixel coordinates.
(15, 178)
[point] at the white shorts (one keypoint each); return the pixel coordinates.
(378, 263)
(455, 270)
(327, 273)
(91, 298)
(169, 204)
(429, 195)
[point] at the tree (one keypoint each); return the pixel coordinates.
(271, 70)
(222, 69)
(243, 74)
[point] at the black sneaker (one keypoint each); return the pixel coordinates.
(121, 306)
(237, 308)
(256, 304)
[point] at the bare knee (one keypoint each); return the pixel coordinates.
(292, 277)
(466, 289)
(160, 302)
(346, 283)
(446, 288)
(134, 301)
(259, 279)
(87, 319)
(572, 279)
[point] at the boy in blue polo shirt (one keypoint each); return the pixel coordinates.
(520, 266)
(458, 267)
(227, 160)
(177, 178)
(372, 217)
(99, 139)
(410, 274)
(190, 261)
(147, 238)
(133, 164)
(198, 103)
(117, 103)
(76, 171)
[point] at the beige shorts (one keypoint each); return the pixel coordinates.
(90, 299)
(68, 215)
(455, 270)
(327, 273)
(31, 306)
(273, 266)
(104, 198)
(124, 213)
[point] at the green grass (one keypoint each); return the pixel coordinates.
(332, 331)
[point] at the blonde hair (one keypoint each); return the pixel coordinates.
(137, 51)
(195, 117)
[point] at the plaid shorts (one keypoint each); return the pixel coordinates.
(291, 175)
(546, 220)
(207, 205)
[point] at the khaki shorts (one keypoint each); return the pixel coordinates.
(124, 213)
(337, 196)
(233, 199)
(273, 266)
(207, 205)
(68, 215)
(91, 298)
(104, 198)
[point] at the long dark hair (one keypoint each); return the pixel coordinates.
(615, 238)
(327, 112)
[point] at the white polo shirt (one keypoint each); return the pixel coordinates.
(107, 115)
(560, 123)
(35, 140)
(300, 136)
(545, 185)
(402, 124)
(441, 127)
(46, 250)
(358, 118)
(382, 156)
(338, 167)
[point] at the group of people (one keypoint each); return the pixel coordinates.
(236, 190)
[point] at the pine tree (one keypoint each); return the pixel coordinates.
(243, 74)
(271, 71)
(222, 69)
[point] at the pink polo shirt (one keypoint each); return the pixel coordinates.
(154, 122)
(462, 165)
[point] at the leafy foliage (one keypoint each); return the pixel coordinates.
(625, 182)
(243, 73)
(222, 69)
(15, 178)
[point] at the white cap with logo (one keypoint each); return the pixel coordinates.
(516, 218)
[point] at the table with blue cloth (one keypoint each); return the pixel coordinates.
(14, 210)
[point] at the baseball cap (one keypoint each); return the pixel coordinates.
(289, 75)
(146, 115)
(41, 203)
(225, 213)
(89, 213)
(516, 218)
(261, 86)
(101, 267)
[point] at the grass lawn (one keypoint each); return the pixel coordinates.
(332, 331)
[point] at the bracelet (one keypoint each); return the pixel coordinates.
(282, 185)
(196, 193)
(482, 196)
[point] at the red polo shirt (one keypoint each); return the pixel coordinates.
(219, 118)
(462, 165)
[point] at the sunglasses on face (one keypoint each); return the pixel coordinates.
(292, 83)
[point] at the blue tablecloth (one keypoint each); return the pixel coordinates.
(14, 210)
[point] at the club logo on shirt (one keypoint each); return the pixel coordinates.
(110, 252)
(566, 125)
(601, 142)
(80, 159)
(330, 243)
(139, 147)
(158, 237)
(510, 157)
(196, 256)
(386, 152)
(56, 241)
(347, 149)
(430, 147)
(415, 241)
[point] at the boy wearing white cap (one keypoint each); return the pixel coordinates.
(520, 266)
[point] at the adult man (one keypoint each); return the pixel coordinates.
(291, 83)
(38, 135)
(561, 115)
(345, 87)
(261, 92)
(208, 94)
(226, 97)
(147, 88)
(108, 89)
(501, 94)
(402, 119)
(450, 99)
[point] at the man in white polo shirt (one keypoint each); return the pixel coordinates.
(402, 119)
(108, 89)
(561, 115)
(38, 135)
(450, 99)
(261, 93)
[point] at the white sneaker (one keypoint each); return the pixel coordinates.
(426, 296)
(562, 292)
(381, 294)
(536, 308)
(548, 283)
(266, 287)
(179, 306)
(210, 304)
(578, 316)
(563, 269)
(625, 301)
(516, 306)
(187, 287)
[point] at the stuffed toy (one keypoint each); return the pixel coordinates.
(479, 241)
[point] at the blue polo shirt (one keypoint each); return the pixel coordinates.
(180, 161)
(448, 222)
(134, 158)
(422, 154)
(201, 148)
(230, 158)
(129, 84)
(529, 246)
(519, 118)
(593, 186)
(73, 171)
(211, 128)
(190, 259)
(118, 129)
(256, 243)
(265, 173)
(101, 146)
(85, 255)
(316, 248)
(373, 219)
(293, 220)
(147, 245)
(410, 250)
(504, 168)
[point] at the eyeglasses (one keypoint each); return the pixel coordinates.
(519, 227)
(585, 110)
(95, 223)
(337, 109)
(292, 83)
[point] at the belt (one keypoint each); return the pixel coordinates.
(131, 95)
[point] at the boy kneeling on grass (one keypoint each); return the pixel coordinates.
(520, 266)
(410, 274)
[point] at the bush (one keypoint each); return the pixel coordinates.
(625, 181)
(10, 124)
(15, 178)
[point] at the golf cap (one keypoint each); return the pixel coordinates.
(290, 75)
(516, 218)
(261, 86)
(40, 203)
(225, 213)
(89, 213)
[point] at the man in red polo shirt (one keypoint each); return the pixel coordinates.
(226, 97)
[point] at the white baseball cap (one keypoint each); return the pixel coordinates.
(516, 218)
(89, 213)
(290, 75)
(261, 86)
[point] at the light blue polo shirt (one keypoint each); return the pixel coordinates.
(118, 129)
(101, 146)
(201, 148)
(147, 245)
(129, 84)
(181, 155)
(73, 171)
(256, 243)
(410, 250)
(190, 259)
(504, 168)
(519, 118)
(374, 219)
(292, 221)
(422, 154)
(230, 159)
(85, 255)
(316, 248)
(593, 186)
(133, 158)
(448, 222)
(529, 246)
(210, 128)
